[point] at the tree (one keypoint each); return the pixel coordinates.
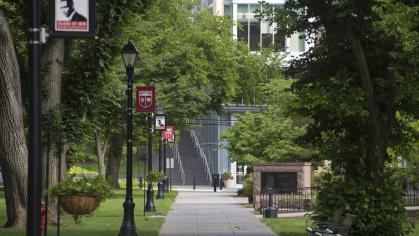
(94, 81)
(13, 150)
(269, 135)
(355, 80)
(190, 58)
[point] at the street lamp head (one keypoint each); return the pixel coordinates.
(129, 54)
(159, 110)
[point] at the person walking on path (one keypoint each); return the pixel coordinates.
(211, 214)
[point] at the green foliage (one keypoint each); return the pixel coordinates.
(335, 91)
(248, 185)
(154, 176)
(81, 153)
(379, 209)
(72, 185)
(269, 136)
(193, 60)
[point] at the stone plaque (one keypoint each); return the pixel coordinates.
(282, 182)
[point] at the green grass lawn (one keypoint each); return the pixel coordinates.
(296, 226)
(107, 219)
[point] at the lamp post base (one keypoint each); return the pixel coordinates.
(160, 191)
(128, 227)
(149, 206)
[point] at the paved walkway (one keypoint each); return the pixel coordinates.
(205, 213)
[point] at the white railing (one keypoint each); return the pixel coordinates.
(202, 155)
(176, 155)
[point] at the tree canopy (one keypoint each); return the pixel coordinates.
(359, 85)
(270, 135)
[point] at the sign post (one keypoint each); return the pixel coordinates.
(73, 19)
(145, 102)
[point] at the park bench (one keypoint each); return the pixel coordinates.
(338, 225)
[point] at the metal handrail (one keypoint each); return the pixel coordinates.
(202, 155)
(176, 155)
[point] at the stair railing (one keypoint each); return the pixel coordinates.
(176, 155)
(202, 155)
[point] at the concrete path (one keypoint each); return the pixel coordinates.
(205, 213)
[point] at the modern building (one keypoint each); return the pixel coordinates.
(257, 34)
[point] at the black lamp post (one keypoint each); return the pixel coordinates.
(165, 181)
(160, 186)
(33, 215)
(149, 206)
(129, 56)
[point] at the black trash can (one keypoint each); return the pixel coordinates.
(215, 181)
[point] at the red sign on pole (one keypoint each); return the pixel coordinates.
(145, 99)
(169, 134)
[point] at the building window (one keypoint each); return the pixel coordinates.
(280, 41)
(228, 11)
(267, 34)
(242, 10)
(297, 42)
(254, 36)
(257, 34)
(243, 31)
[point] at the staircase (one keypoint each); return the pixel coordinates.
(193, 165)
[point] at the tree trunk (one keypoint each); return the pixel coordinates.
(115, 153)
(13, 149)
(381, 116)
(100, 152)
(52, 60)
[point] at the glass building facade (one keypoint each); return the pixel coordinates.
(254, 32)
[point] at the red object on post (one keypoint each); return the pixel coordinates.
(43, 214)
(145, 99)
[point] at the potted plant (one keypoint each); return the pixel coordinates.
(81, 195)
(154, 176)
(228, 179)
(248, 188)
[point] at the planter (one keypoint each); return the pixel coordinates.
(79, 205)
(229, 183)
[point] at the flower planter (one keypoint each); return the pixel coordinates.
(229, 183)
(78, 205)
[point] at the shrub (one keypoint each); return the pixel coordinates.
(154, 176)
(379, 208)
(248, 185)
(227, 176)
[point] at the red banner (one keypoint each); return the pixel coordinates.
(169, 134)
(145, 99)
